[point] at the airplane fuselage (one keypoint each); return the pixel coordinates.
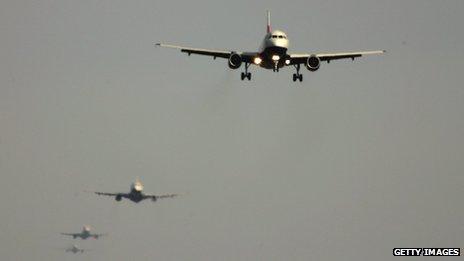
(273, 51)
(135, 195)
(85, 234)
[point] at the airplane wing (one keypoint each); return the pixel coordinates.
(246, 56)
(301, 58)
(156, 197)
(106, 194)
(167, 196)
(124, 195)
(96, 236)
(70, 234)
(81, 250)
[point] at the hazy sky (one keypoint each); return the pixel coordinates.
(358, 159)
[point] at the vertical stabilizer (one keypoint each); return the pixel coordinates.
(268, 21)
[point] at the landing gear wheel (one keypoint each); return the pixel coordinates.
(294, 77)
(242, 76)
(300, 77)
(248, 75)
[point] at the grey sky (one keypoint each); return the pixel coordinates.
(360, 158)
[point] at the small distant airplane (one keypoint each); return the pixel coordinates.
(84, 234)
(272, 55)
(136, 195)
(75, 249)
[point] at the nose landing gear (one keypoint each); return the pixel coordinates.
(276, 66)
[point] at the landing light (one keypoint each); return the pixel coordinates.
(257, 60)
(275, 58)
(287, 62)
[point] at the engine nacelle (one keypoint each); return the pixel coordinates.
(235, 60)
(313, 63)
(118, 198)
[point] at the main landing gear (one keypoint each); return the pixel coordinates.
(297, 75)
(246, 74)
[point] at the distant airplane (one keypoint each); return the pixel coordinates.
(75, 249)
(84, 234)
(273, 55)
(136, 195)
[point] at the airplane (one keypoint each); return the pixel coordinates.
(75, 249)
(84, 234)
(273, 55)
(136, 195)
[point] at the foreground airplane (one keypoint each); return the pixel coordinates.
(84, 234)
(273, 55)
(136, 195)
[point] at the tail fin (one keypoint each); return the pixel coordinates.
(268, 21)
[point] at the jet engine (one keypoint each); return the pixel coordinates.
(235, 60)
(312, 63)
(118, 197)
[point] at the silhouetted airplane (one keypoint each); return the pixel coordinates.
(136, 195)
(75, 249)
(84, 234)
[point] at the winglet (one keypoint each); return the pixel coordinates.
(268, 22)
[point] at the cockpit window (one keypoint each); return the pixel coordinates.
(277, 36)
